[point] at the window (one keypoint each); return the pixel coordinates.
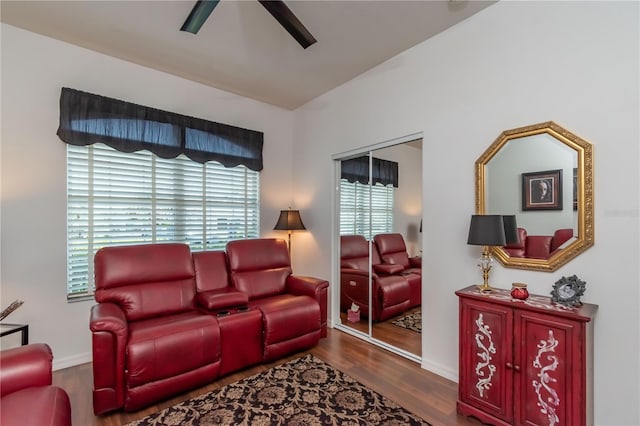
(354, 209)
(116, 198)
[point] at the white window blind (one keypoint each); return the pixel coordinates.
(355, 209)
(116, 198)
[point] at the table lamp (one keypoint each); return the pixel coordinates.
(491, 230)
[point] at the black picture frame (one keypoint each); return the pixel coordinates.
(542, 190)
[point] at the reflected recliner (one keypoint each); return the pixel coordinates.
(391, 293)
(393, 251)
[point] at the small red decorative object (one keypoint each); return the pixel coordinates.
(519, 291)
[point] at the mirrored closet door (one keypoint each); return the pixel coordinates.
(379, 234)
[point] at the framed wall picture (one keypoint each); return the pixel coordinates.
(542, 190)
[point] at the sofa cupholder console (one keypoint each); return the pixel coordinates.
(168, 320)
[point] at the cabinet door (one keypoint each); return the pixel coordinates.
(485, 349)
(549, 370)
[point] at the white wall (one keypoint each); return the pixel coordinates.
(513, 64)
(33, 232)
(407, 197)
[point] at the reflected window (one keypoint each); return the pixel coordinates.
(355, 209)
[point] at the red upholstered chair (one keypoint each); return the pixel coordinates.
(149, 341)
(391, 293)
(27, 396)
(294, 308)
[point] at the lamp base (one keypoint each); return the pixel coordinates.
(484, 288)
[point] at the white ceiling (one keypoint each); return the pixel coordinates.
(241, 48)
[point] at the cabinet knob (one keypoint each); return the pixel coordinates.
(516, 367)
(509, 365)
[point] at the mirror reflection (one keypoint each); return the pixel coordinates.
(542, 174)
(380, 240)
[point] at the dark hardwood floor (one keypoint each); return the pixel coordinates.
(389, 333)
(425, 394)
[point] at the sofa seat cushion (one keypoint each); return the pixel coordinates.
(393, 290)
(168, 346)
(223, 298)
(287, 316)
(41, 405)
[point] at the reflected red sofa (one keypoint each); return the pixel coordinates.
(391, 291)
(168, 320)
(27, 396)
(538, 246)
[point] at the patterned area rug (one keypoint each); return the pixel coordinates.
(412, 321)
(305, 391)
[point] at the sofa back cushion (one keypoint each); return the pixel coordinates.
(211, 270)
(560, 237)
(538, 246)
(354, 253)
(392, 249)
(146, 280)
(259, 267)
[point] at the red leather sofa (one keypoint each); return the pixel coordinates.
(538, 246)
(27, 397)
(168, 320)
(392, 294)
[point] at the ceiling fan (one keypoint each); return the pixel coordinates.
(277, 8)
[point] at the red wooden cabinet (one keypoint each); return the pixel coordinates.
(524, 362)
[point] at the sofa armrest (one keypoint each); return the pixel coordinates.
(388, 268)
(109, 335)
(317, 289)
(109, 317)
(24, 367)
(306, 286)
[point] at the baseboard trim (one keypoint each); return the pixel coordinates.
(440, 370)
(71, 361)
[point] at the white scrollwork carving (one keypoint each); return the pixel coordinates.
(547, 405)
(484, 381)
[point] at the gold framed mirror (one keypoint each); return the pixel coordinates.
(543, 174)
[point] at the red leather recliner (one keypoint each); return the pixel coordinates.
(27, 396)
(149, 340)
(391, 293)
(294, 308)
(393, 251)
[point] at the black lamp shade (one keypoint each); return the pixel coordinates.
(289, 220)
(486, 230)
(510, 229)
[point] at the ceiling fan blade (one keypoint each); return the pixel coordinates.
(288, 20)
(198, 15)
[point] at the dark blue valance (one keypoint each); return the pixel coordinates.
(86, 119)
(357, 170)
